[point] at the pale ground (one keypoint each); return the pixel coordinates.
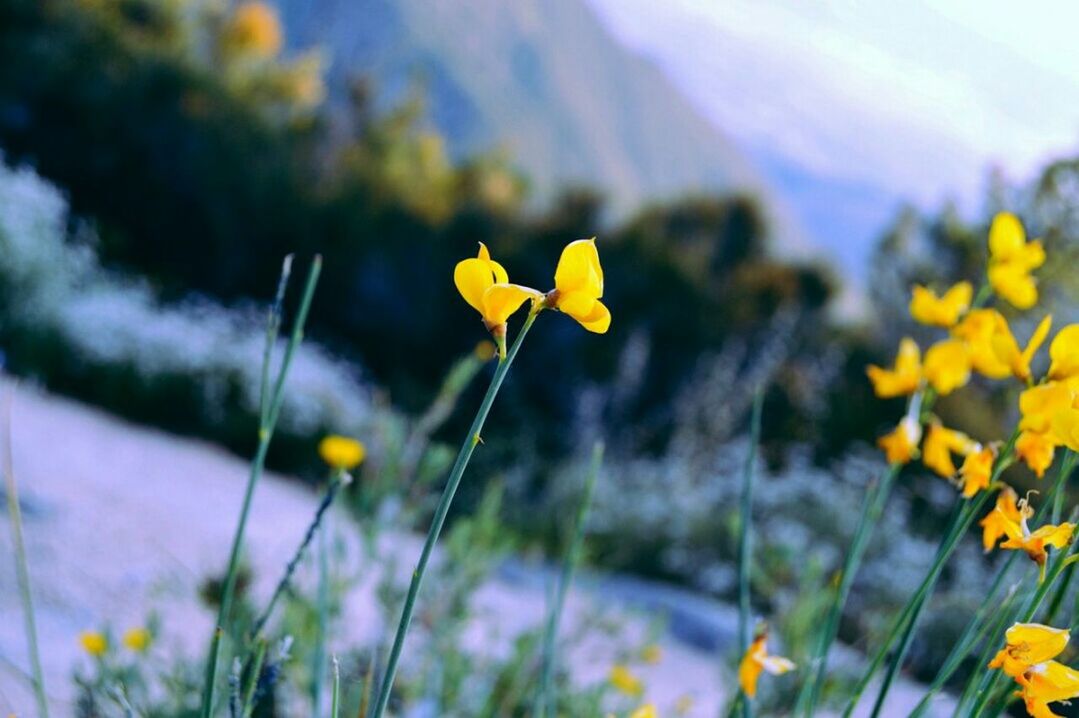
(120, 518)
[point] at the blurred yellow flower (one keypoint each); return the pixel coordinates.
(947, 366)
(484, 284)
(1065, 427)
(944, 311)
(1028, 644)
(1011, 260)
(254, 28)
(648, 710)
(1039, 404)
(904, 377)
(977, 330)
(1036, 543)
(976, 470)
(623, 680)
(940, 444)
(1007, 348)
(1064, 354)
(1036, 451)
(136, 639)
(756, 660)
(341, 452)
(94, 642)
(997, 522)
(901, 444)
(578, 282)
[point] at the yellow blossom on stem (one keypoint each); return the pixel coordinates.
(1036, 543)
(940, 444)
(901, 444)
(1045, 683)
(1064, 354)
(1007, 348)
(976, 470)
(1011, 260)
(1027, 645)
(977, 331)
(944, 311)
(484, 284)
(1004, 515)
(947, 366)
(137, 639)
(341, 452)
(756, 660)
(904, 377)
(94, 643)
(1036, 451)
(625, 681)
(578, 282)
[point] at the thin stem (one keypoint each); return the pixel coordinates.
(459, 466)
(569, 565)
(273, 325)
(745, 537)
(22, 568)
(253, 679)
(318, 661)
(265, 434)
(336, 702)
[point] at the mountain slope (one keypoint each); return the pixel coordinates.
(541, 78)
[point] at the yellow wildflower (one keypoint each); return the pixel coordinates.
(1036, 543)
(484, 284)
(1011, 259)
(1036, 451)
(648, 710)
(904, 377)
(756, 660)
(254, 28)
(947, 366)
(624, 681)
(977, 330)
(578, 282)
(137, 639)
(341, 452)
(976, 470)
(94, 643)
(1039, 404)
(1045, 683)
(1027, 645)
(1006, 513)
(940, 444)
(1065, 427)
(1007, 348)
(901, 443)
(927, 308)
(1064, 354)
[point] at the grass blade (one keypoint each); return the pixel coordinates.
(745, 536)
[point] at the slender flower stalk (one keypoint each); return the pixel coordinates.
(459, 466)
(569, 566)
(270, 409)
(745, 537)
(22, 570)
(318, 660)
(253, 675)
(336, 700)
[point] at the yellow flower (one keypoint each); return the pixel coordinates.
(1065, 427)
(756, 660)
(1035, 543)
(904, 377)
(1007, 348)
(977, 330)
(1027, 645)
(947, 366)
(254, 28)
(1011, 259)
(1039, 404)
(1006, 514)
(624, 681)
(976, 470)
(94, 643)
(341, 452)
(137, 639)
(652, 653)
(648, 710)
(1064, 354)
(578, 282)
(901, 443)
(484, 284)
(1045, 683)
(940, 444)
(1036, 451)
(926, 307)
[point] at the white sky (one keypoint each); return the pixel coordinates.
(917, 98)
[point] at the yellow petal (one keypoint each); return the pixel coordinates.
(1065, 427)
(1014, 283)
(901, 443)
(1006, 237)
(1064, 353)
(598, 320)
(943, 311)
(579, 269)
(502, 300)
(1055, 536)
(1036, 451)
(940, 444)
(1040, 403)
(1037, 339)
(904, 378)
(947, 365)
(473, 277)
(341, 452)
(1051, 681)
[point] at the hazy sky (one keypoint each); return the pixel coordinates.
(915, 99)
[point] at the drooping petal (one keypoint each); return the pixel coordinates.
(1014, 284)
(1064, 353)
(473, 277)
(1006, 237)
(1055, 536)
(502, 300)
(1051, 681)
(598, 320)
(579, 269)
(1036, 451)
(1065, 427)
(927, 308)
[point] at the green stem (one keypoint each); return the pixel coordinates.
(336, 703)
(265, 434)
(459, 466)
(318, 660)
(253, 680)
(569, 565)
(22, 568)
(745, 537)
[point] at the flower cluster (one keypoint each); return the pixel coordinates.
(981, 341)
(1028, 658)
(578, 280)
